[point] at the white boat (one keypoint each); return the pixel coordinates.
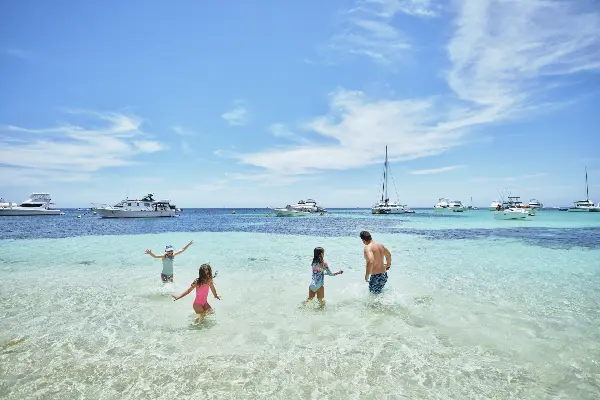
(384, 205)
(471, 207)
(36, 204)
(308, 205)
(494, 205)
(511, 213)
(147, 207)
(585, 205)
(533, 203)
(290, 211)
(456, 206)
(442, 205)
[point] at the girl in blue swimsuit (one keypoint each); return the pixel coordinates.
(319, 269)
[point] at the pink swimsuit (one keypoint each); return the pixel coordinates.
(201, 294)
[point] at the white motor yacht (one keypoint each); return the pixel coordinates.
(36, 204)
(533, 203)
(308, 205)
(456, 206)
(384, 205)
(442, 205)
(147, 207)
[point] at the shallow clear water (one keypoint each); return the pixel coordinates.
(473, 309)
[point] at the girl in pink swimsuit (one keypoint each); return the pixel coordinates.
(202, 284)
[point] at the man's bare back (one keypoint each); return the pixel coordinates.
(377, 252)
(376, 269)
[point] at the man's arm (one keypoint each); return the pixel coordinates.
(370, 259)
(388, 258)
(184, 248)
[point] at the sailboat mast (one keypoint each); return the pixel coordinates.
(386, 176)
(587, 194)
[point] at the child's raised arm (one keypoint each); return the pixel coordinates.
(184, 248)
(213, 290)
(148, 251)
(193, 285)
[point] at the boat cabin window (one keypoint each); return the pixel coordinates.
(129, 204)
(147, 204)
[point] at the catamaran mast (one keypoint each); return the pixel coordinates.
(587, 194)
(386, 177)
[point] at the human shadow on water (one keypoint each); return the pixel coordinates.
(379, 305)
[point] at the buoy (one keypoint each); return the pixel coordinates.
(94, 212)
(268, 215)
(79, 216)
(233, 212)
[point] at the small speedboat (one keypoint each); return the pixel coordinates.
(511, 213)
(289, 211)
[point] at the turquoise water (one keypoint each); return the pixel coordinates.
(474, 309)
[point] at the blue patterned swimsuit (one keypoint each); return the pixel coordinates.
(318, 276)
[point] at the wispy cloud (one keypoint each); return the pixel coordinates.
(73, 152)
(181, 131)
(368, 28)
(500, 69)
(237, 116)
(435, 170)
(356, 130)
(18, 53)
(496, 74)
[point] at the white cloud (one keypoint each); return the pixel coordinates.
(358, 129)
(181, 131)
(501, 50)
(435, 170)
(368, 28)
(72, 152)
(501, 61)
(237, 116)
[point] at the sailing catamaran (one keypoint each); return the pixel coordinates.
(384, 205)
(584, 205)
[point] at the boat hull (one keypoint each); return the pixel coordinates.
(105, 213)
(589, 209)
(290, 213)
(508, 215)
(24, 212)
(388, 210)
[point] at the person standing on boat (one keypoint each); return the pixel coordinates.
(376, 270)
(167, 260)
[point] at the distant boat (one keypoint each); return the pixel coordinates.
(533, 203)
(511, 213)
(147, 207)
(585, 205)
(36, 204)
(385, 206)
(290, 211)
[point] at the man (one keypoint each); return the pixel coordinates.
(376, 271)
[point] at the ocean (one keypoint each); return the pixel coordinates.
(474, 308)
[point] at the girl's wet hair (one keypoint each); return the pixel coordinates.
(205, 275)
(318, 256)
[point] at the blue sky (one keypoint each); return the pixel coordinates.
(233, 104)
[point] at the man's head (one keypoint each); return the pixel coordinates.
(366, 237)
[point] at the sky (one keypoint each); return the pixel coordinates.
(264, 103)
